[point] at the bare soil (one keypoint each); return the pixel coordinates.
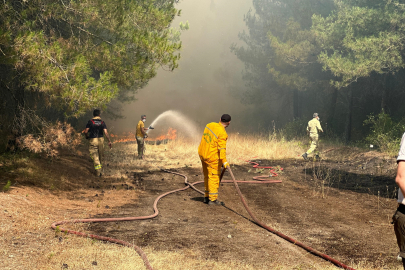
(331, 206)
(340, 207)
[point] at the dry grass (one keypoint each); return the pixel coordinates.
(184, 153)
(239, 149)
(26, 213)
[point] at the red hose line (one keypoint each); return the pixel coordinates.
(113, 240)
(55, 225)
(257, 221)
(259, 179)
(295, 242)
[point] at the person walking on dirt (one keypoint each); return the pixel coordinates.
(212, 152)
(141, 135)
(313, 129)
(94, 133)
(399, 216)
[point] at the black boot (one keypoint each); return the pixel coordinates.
(216, 202)
(305, 156)
(206, 200)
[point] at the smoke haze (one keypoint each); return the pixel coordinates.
(209, 74)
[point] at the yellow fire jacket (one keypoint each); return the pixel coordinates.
(139, 129)
(314, 126)
(213, 144)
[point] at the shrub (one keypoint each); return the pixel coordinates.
(385, 133)
(7, 186)
(295, 129)
(50, 138)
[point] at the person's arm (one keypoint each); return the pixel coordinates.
(86, 129)
(319, 127)
(143, 129)
(108, 137)
(222, 149)
(400, 178)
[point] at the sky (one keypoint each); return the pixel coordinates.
(209, 76)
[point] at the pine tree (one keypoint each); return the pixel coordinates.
(78, 55)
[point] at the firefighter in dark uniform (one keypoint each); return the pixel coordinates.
(94, 133)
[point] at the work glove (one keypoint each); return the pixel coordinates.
(226, 164)
(145, 136)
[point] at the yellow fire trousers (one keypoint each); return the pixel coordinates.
(96, 149)
(314, 143)
(212, 171)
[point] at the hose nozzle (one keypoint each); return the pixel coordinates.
(150, 127)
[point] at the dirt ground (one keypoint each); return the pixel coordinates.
(340, 207)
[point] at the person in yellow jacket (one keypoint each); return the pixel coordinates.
(313, 128)
(141, 135)
(212, 152)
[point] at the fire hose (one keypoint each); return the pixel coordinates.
(259, 179)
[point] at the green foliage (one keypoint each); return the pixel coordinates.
(280, 55)
(294, 55)
(83, 54)
(296, 129)
(361, 38)
(7, 186)
(385, 133)
(184, 26)
(341, 58)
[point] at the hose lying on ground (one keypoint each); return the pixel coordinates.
(260, 179)
(295, 242)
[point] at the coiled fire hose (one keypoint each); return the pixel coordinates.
(259, 179)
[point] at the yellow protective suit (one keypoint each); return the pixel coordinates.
(212, 152)
(313, 128)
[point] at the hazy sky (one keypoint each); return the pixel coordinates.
(199, 88)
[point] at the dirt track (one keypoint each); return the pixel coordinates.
(350, 223)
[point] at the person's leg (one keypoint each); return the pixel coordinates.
(205, 172)
(314, 144)
(316, 141)
(399, 229)
(213, 180)
(94, 154)
(101, 152)
(139, 141)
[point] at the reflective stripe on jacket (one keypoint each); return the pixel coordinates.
(213, 143)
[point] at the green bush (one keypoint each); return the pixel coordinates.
(295, 129)
(385, 133)
(7, 186)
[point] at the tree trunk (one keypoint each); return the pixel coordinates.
(19, 121)
(349, 116)
(384, 93)
(331, 118)
(296, 104)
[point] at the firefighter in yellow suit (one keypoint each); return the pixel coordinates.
(212, 152)
(313, 128)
